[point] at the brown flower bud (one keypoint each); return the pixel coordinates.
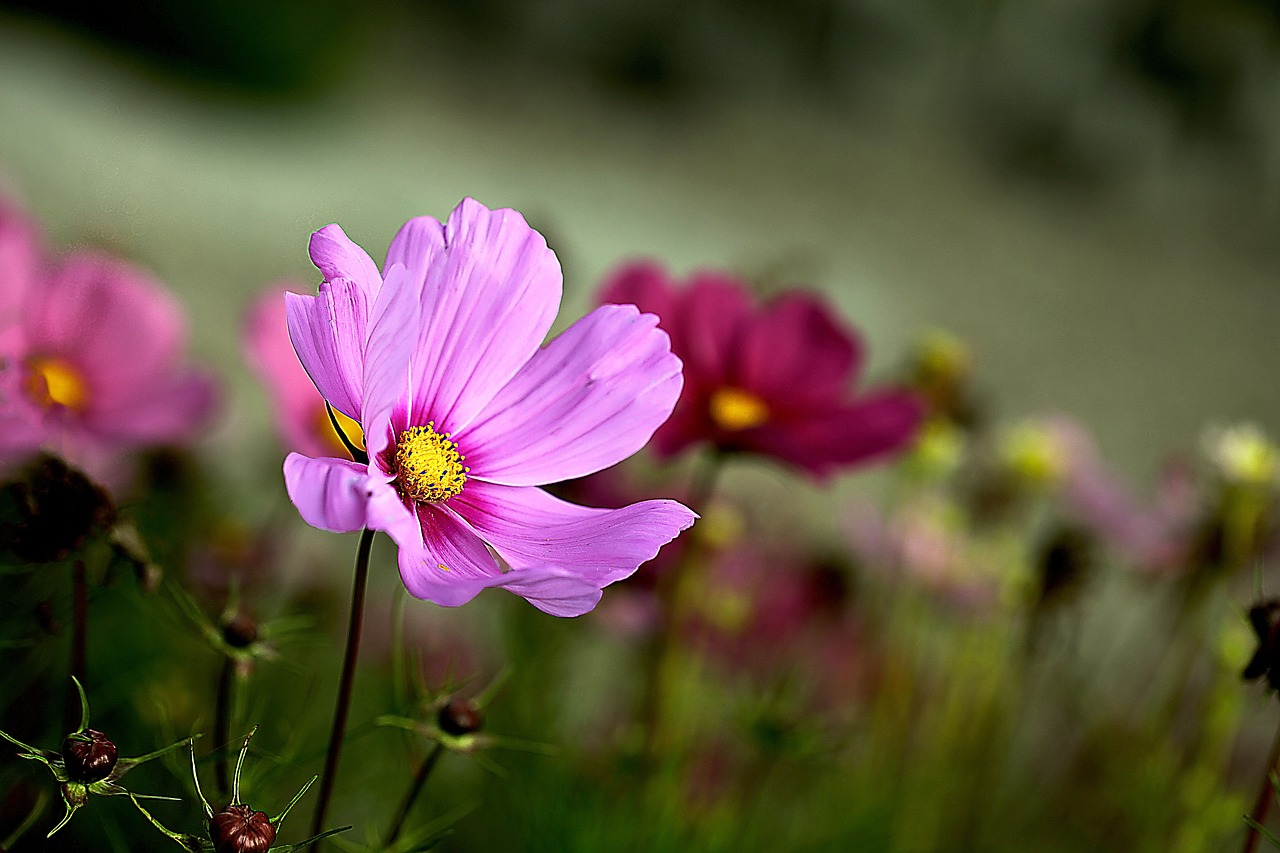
(460, 717)
(239, 829)
(89, 756)
(240, 631)
(50, 510)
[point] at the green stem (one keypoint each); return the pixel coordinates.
(672, 596)
(343, 703)
(419, 781)
(79, 639)
(1263, 801)
(222, 724)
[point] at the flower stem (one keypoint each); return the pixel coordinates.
(79, 640)
(673, 594)
(419, 781)
(343, 703)
(1263, 801)
(222, 723)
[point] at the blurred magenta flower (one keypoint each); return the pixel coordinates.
(771, 379)
(464, 416)
(91, 356)
(299, 409)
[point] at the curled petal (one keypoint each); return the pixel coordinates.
(588, 400)
(331, 494)
(531, 529)
(328, 334)
(554, 591)
(339, 259)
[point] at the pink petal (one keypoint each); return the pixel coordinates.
(297, 406)
(119, 326)
(20, 263)
(530, 529)
(389, 359)
(490, 290)
(447, 564)
(643, 284)
(339, 259)
(553, 591)
(171, 410)
(331, 494)
(793, 350)
(588, 400)
(328, 334)
(706, 325)
(876, 425)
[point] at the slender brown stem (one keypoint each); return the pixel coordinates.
(79, 641)
(672, 594)
(1265, 795)
(419, 781)
(222, 724)
(343, 703)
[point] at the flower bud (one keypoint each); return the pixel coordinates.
(89, 756)
(460, 717)
(240, 631)
(50, 510)
(239, 829)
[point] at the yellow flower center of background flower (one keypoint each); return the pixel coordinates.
(734, 409)
(54, 382)
(349, 427)
(429, 467)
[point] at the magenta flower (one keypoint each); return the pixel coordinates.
(771, 379)
(91, 356)
(464, 416)
(299, 409)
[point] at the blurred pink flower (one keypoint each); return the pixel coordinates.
(91, 356)
(439, 357)
(772, 379)
(299, 409)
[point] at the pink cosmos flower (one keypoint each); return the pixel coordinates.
(771, 379)
(464, 416)
(300, 413)
(91, 356)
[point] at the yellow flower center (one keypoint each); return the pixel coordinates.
(734, 409)
(349, 427)
(429, 467)
(54, 382)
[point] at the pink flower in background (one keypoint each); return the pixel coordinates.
(772, 379)
(464, 416)
(92, 361)
(299, 409)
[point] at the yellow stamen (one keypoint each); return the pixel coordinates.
(54, 382)
(734, 409)
(429, 467)
(349, 427)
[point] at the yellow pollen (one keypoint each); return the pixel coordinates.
(53, 382)
(429, 467)
(734, 409)
(325, 429)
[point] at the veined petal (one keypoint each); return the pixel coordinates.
(530, 529)
(328, 334)
(331, 494)
(389, 358)
(490, 290)
(589, 399)
(447, 563)
(339, 259)
(874, 425)
(554, 591)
